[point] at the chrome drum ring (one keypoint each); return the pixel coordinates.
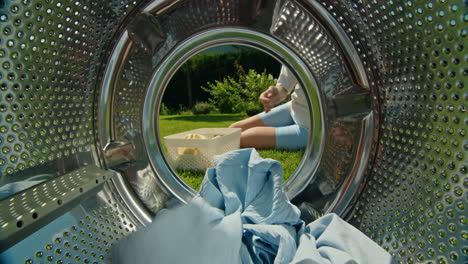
(341, 102)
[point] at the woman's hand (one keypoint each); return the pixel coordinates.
(272, 97)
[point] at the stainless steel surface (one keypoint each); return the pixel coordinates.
(82, 235)
(104, 108)
(50, 56)
(346, 105)
(198, 43)
(122, 96)
(132, 202)
(26, 212)
(414, 201)
(75, 76)
(331, 75)
(118, 154)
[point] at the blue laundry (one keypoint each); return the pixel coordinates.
(242, 215)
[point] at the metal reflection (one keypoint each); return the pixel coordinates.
(288, 32)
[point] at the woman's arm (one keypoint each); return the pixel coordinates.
(276, 94)
(286, 79)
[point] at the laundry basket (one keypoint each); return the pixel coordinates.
(197, 153)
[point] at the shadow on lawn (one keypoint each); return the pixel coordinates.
(206, 118)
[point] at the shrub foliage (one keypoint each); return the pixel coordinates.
(203, 108)
(208, 67)
(239, 93)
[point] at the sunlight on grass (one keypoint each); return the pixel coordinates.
(289, 160)
(173, 124)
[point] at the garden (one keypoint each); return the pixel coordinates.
(217, 98)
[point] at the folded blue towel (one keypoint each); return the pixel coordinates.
(242, 215)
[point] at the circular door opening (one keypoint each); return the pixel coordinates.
(209, 93)
(200, 44)
(164, 39)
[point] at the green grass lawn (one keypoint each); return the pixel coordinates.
(173, 124)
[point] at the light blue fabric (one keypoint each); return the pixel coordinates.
(330, 240)
(288, 134)
(242, 215)
(279, 115)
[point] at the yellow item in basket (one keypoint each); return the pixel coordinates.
(195, 136)
(191, 151)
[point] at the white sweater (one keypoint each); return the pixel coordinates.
(299, 108)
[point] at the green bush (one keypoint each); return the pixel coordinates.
(256, 84)
(226, 95)
(183, 110)
(253, 108)
(240, 93)
(211, 66)
(164, 110)
(203, 108)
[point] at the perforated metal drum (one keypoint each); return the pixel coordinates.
(81, 161)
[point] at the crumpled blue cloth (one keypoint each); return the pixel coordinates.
(242, 215)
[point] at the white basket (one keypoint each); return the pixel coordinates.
(197, 154)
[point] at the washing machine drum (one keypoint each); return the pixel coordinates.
(82, 160)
